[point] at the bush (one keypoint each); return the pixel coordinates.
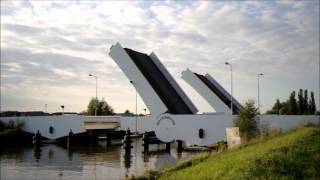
(17, 125)
(267, 131)
(246, 121)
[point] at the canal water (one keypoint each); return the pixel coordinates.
(94, 161)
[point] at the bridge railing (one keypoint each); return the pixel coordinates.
(102, 119)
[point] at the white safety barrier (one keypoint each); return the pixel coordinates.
(53, 127)
(61, 125)
(286, 122)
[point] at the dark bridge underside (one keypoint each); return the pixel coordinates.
(225, 99)
(159, 83)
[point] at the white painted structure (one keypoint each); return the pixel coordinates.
(170, 127)
(173, 82)
(150, 97)
(286, 122)
(61, 124)
(101, 122)
(183, 127)
(209, 95)
(214, 101)
(216, 127)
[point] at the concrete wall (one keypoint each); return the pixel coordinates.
(144, 123)
(61, 124)
(102, 118)
(287, 122)
(217, 125)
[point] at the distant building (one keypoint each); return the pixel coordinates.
(32, 113)
(65, 113)
(9, 113)
(26, 113)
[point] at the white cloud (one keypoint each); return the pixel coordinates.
(43, 41)
(62, 72)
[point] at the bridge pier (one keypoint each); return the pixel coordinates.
(69, 139)
(108, 135)
(180, 146)
(36, 138)
(127, 143)
(168, 146)
(150, 138)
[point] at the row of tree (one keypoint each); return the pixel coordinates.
(103, 108)
(303, 106)
(128, 113)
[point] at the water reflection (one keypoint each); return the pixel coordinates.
(92, 161)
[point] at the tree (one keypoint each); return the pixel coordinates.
(300, 102)
(293, 103)
(246, 121)
(276, 108)
(92, 106)
(284, 108)
(292, 106)
(102, 106)
(128, 113)
(312, 104)
(305, 104)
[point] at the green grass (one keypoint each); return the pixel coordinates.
(294, 155)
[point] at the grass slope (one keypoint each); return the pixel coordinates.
(294, 155)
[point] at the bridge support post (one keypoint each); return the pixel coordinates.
(36, 138)
(180, 148)
(168, 146)
(69, 140)
(127, 142)
(109, 138)
(145, 139)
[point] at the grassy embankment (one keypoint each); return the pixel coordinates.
(292, 155)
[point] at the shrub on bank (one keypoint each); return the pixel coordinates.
(17, 125)
(246, 121)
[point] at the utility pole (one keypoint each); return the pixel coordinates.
(260, 74)
(96, 104)
(62, 107)
(136, 116)
(231, 96)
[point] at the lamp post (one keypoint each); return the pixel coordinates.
(133, 83)
(145, 111)
(231, 96)
(62, 107)
(96, 105)
(260, 74)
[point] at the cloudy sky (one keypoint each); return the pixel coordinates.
(49, 48)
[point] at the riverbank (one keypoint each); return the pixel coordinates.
(293, 155)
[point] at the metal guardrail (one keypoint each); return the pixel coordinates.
(102, 119)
